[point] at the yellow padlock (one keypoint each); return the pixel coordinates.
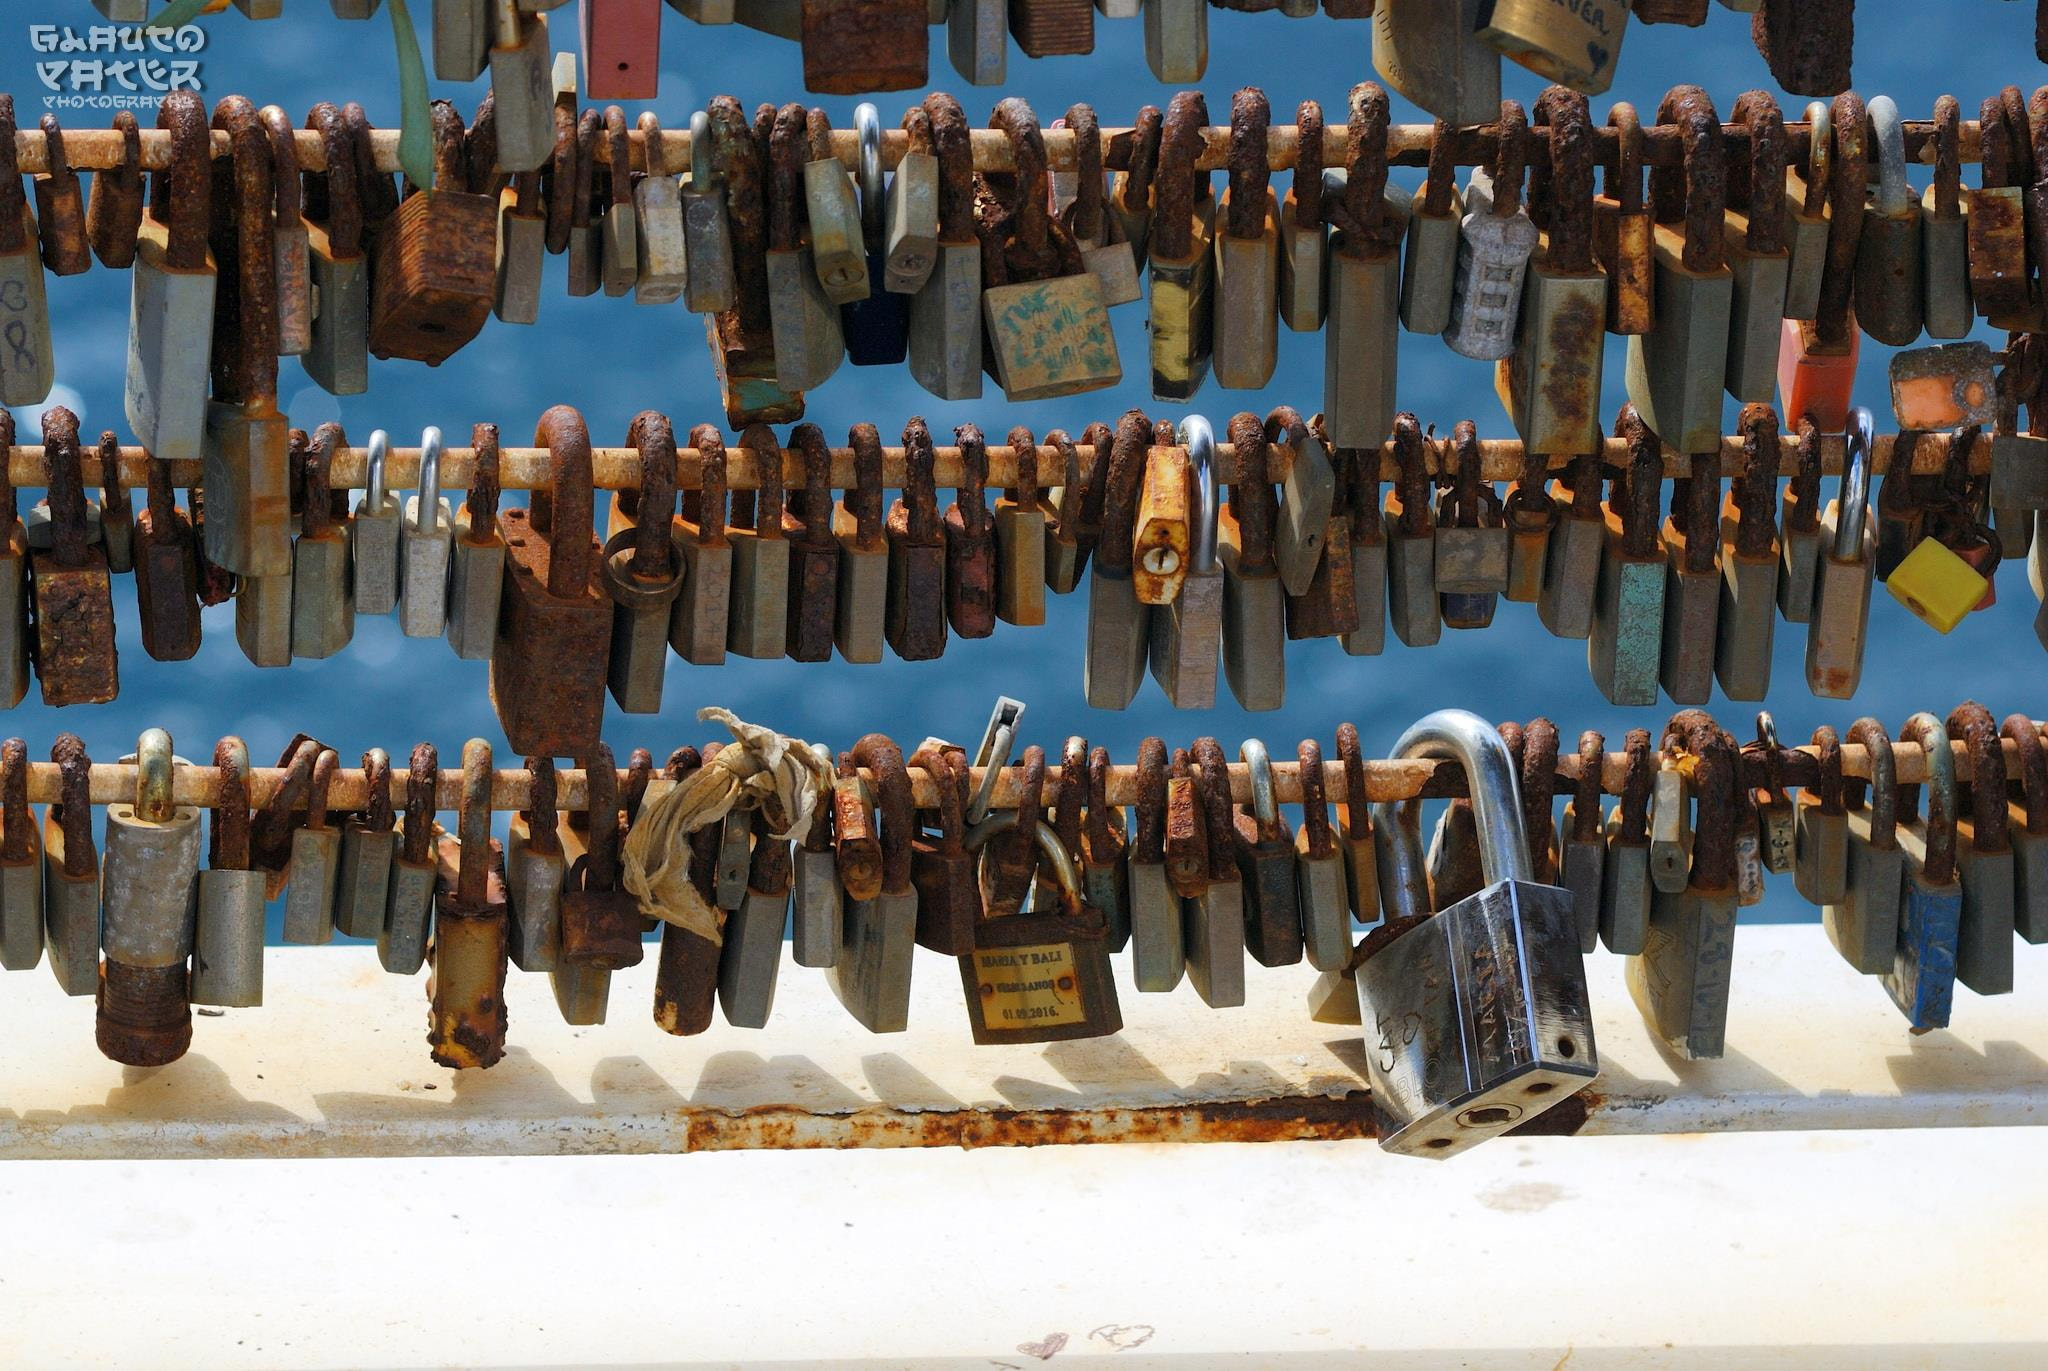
(1937, 585)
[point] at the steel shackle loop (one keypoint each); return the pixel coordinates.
(1463, 737)
(1259, 763)
(1854, 503)
(1200, 440)
(867, 127)
(153, 802)
(427, 514)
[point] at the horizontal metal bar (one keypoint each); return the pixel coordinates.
(114, 782)
(618, 468)
(1407, 145)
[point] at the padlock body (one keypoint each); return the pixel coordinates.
(1494, 991)
(1182, 292)
(1158, 955)
(1486, 291)
(1571, 574)
(945, 325)
(75, 657)
(1430, 265)
(1304, 269)
(1036, 978)
(1945, 269)
(1051, 338)
(408, 917)
(1582, 870)
(1841, 615)
(522, 246)
(1816, 380)
(548, 663)
(872, 975)
(1922, 976)
(1756, 314)
(1412, 601)
(533, 891)
(1187, 637)
(1997, 245)
(1213, 934)
(860, 623)
(476, 582)
(363, 890)
(1359, 346)
(1984, 938)
(1247, 306)
(1576, 45)
(1254, 640)
(247, 480)
(169, 309)
(1676, 370)
(1746, 623)
(750, 958)
(1624, 648)
(1427, 50)
(436, 275)
(911, 224)
(1550, 386)
(1680, 981)
(323, 617)
(1625, 889)
(1118, 637)
(1622, 244)
(227, 954)
(309, 898)
(149, 883)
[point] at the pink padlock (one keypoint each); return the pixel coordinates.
(621, 48)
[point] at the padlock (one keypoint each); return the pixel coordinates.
(1247, 246)
(28, 366)
(113, 213)
(1888, 265)
(315, 863)
(407, 930)
(1921, 978)
(227, 952)
(74, 651)
(536, 869)
(1130, 195)
(555, 622)
(1624, 229)
(1361, 862)
(944, 872)
(1187, 632)
(600, 924)
(1118, 621)
(813, 573)
(2027, 819)
(816, 913)
(172, 304)
(872, 975)
(1320, 871)
(1053, 28)
(1042, 976)
(752, 951)
(838, 250)
(803, 318)
(21, 865)
(337, 355)
(1429, 51)
(1314, 536)
(1820, 828)
(1550, 383)
(425, 545)
(1936, 584)
(971, 571)
(583, 242)
(1985, 860)
(910, 240)
(522, 244)
(1254, 600)
(1571, 559)
(436, 260)
(1799, 528)
(1670, 824)
(1158, 958)
(1304, 239)
(1997, 232)
(1046, 329)
(1944, 387)
(976, 41)
(1214, 919)
(1624, 648)
(1945, 232)
(756, 621)
(876, 326)
(246, 461)
(914, 620)
(1777, 820)
(1006, 869)
(1582, 841)
(660, 257)
(149, 886)
(621, 45)
(1745, 623)
(1163, 523)
(1022, 533)
(1625, 882)
(477, 576)
(1074, 506)
(291, 251)
(71, 873)
(1432, 259)
(520, 85)
(1367, 292)
(1264, 847)
(1807, 218)
(1181, 263)
(1176, 40)
(712, 282)
(643, 574)
(1862, 921)
(1754, 238)
(1577, 46)
(1495, 240)
(859, 625)
(369, 844)
(462, 38)
(1807, 46)
(1680, 981)
(856, 844)
(1817, 360)
(619, 235)
(1676, 370)
(1841, 603)
(1104, 853)
(1509, 957)
(945, 314)
(373, 535)
(466, 1018)
(1411, 541)
(1472, 542)
(323, 617)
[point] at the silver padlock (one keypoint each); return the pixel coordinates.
(227, 955)
(409, 901)
(425, 547)
(373, 536)
(1477, 1019)
(315, 863)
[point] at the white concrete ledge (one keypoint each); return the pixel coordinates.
(336, 1064)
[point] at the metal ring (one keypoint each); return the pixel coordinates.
(867, 126)
(1853, 506)
(153, 802)
(1200, 440)
(427, 509)
(1259, 763)
(1462, 736)
(375, 496)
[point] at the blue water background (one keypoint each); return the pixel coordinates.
(611, 358)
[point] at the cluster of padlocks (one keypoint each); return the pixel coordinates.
(1442, 54)
(1186, 861)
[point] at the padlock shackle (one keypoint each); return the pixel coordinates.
(1051, 852)
(375, 497)
(1989, 829)
(427, 509)
(1820, 154)
(867, 128)
(1397, 854)
(1148, 840)
(1939, 865)
(1259, 763)
(1757, 183)
(1852, 506)
(1249, 176)
(562, 433)
(1894, 196)
(1200, 440)
(153, 802)
(1463, 737)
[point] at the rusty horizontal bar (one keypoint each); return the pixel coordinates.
(114, 782)
(618, 468)
(1407, 145)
